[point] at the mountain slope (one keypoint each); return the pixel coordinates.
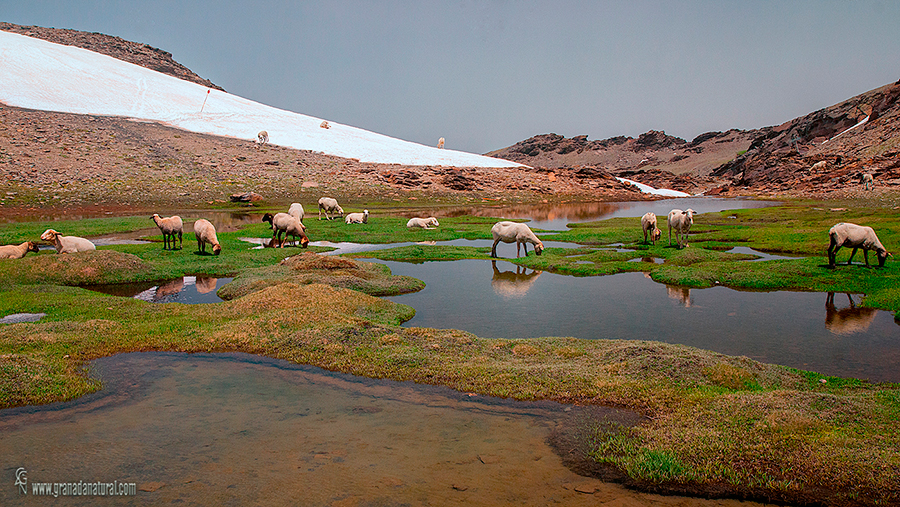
(861, 134)
(52, 77)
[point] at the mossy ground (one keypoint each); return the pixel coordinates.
(727, 423)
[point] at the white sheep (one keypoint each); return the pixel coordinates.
(648, 223)
(441, 143)
(357, 218)
(206, 233)
(170, 227)
(819, 166)
(296, 211)
(67, 244)
(325, 125)
(681, 221)
(17, 251)
(282, 223)
(262, 137)
(514, 232)
(424, 223)
(329, 205)
(856, 237)
(868, 181)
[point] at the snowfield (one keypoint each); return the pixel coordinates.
(37, 74)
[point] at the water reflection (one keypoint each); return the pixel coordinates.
(850, 320)
(515, 283)
(186, 290)
(680, 294)
(234, 429)
(555, 216)
(774, 327)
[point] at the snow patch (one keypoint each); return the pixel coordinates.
(37, 74)
(647, 189)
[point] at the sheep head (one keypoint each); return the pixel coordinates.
(217, 249)
(32, 247)
(538, 248)
(882, 257)
(656, 234)
(49, 235)
(433, 221)
(268, 217)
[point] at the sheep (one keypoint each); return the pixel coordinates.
(67, 244)
(358, 218)
(422, 222)
(170, 227)
(514, 232)
(282, 223)
(868, 181)
(855, 236)
(325, 125)
(821, 165)
(296, 211)
(206, 233)
(681, 221)
(262, 137)
(329, 205)
(441, 143)
(17, 251)
(648, 223)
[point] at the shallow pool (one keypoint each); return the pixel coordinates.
(807, 330)
(235, 429)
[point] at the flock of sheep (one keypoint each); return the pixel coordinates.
(291, 224)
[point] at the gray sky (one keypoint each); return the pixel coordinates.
(487, 74)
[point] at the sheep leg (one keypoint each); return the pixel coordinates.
(866, 256)
(852, 254)
(833, 248)
(180, 242)
(494, 248)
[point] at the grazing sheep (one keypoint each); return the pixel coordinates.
(868, 181)
(856, 237)
(648, 223)
(296, 211)
(514, 232)
(67, 244)
(17, 251)
(170, 227)
(681, 221)
(358, 218)
(325, 125)
(441, 143)
(282, 223)
(206, 233)
(423, 222)
(329, 205)
(262, 137)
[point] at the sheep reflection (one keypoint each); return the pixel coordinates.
(853, 319)
(513, 284)
(206, 284)
(169, 288)
(680, 294)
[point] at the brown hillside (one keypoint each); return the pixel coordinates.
(782, 159)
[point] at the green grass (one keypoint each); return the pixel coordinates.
(711, 420)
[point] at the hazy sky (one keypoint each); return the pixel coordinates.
(487, 74)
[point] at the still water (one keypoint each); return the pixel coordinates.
(807, 330)
(234, 429)
(187, 289)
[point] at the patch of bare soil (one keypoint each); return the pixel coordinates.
(50, 159)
